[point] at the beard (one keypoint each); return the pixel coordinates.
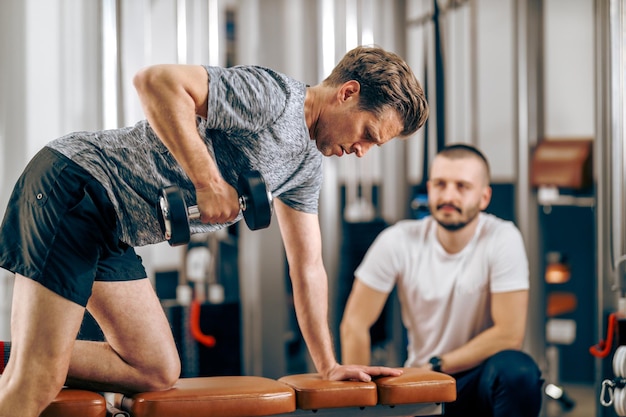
(467, 216)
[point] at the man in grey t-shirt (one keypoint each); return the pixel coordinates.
(86, 199)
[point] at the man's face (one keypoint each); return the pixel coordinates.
(343, 128)
(458, 190)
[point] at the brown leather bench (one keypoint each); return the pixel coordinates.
(416, 392)
(76, 403)
(220, 396)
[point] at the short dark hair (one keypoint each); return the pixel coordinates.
(386, 82)
(463, 150)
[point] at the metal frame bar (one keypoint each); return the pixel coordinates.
(424, 409)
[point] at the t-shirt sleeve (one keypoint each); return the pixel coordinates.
(509, 263)
(380, 265)
(305, 196)
(243, 99)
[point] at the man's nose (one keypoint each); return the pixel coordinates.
(360, 149)
(449, 192)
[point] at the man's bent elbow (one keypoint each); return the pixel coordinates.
(149, 79)
(141, 79)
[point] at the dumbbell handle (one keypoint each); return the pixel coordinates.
(174, 215)
(194, 213)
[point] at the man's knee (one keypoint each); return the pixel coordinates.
(512, 382)
(514, 368)
(159, 377)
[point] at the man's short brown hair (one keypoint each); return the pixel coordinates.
(386, 82)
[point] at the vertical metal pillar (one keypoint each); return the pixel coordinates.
(111, 85)
(602, 152)
(181, 31)
(610, 166)
(529, 128)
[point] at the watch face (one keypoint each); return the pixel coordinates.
(435, 362)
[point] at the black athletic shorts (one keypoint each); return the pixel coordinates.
(60, 229)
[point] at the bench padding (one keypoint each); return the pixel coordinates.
(313, 393)
(76, 403)
(221, 396)
(416, 385)
(420, 390)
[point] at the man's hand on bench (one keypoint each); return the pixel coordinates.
(359, 372)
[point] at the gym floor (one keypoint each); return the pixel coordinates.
(583, 395)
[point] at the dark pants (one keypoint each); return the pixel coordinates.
(508, 384)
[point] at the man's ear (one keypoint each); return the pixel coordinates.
(485, 198)
(349, 89)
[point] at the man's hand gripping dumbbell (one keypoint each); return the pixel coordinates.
(255, 201)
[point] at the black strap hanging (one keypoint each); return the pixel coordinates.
(440, 108)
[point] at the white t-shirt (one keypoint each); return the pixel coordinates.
(445, 298)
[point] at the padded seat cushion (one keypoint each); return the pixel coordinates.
(220, 396)
(76, 403)
(313, 393)
(416, 385)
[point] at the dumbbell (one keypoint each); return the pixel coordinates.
(254, 200)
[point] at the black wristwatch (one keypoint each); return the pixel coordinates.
(435, 363)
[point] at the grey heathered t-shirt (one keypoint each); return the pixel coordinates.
(255, 120)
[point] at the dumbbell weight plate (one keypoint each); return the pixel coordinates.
(258, 202)
(173, 217)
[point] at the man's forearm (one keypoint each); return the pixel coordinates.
(474, 352)
(355, 346)
(311, 302)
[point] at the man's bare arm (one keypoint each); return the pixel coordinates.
(302, 239)
(509, 312)
(172, 96)
(362, 310)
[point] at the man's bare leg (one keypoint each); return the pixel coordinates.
(139, 353)
(43, 331)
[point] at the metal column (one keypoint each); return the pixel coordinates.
(610, 24)
(529, 129)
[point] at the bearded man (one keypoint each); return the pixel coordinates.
(462, 279)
